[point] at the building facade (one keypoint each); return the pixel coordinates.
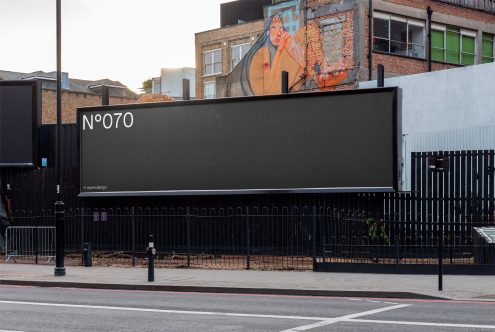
(75, 93)
(170, 82)
(326, 45)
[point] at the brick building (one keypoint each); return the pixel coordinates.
(324, 44)
(75, 93)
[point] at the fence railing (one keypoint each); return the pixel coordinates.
(30, 242)
(482, 5)
(252, 238)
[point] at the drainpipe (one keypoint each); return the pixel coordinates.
(370, 40)
(429, 12)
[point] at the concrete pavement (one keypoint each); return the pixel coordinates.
(255, 282)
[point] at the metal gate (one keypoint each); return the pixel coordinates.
(30, 241)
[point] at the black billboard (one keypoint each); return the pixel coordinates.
(20, 112)
(343, 141)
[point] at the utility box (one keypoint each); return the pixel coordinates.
(87, 255)
(484, 245)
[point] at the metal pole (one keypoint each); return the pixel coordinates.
(285, 82)
(151, 259)
(248, 257)
(36, 244)
(313, 237)
(105, 95)
(59, 204)
(133, 236)
(188, 238)
(82, 237)
(380, 75)
(440, 214)
(370, 40)
(186, 95)
(429, 12)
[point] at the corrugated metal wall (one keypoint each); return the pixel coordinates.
(452, 140)
(446, 110)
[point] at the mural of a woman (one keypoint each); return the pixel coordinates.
(277, 50)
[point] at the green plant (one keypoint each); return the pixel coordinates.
(377, 230)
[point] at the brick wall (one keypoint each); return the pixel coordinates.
(333, 48)
(70, 102)
(337, 42)
(439, 7)
(223, 38)
(401, 65)
(313, 4)
(398, 65)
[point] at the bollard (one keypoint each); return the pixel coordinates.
(87, 255)
(151, 259)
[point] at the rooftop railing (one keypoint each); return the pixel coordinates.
(481, 5)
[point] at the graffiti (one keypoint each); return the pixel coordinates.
(312, 54)
(290, 14)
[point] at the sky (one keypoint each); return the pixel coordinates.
(123, 40)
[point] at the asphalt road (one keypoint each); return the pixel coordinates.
(58, 309)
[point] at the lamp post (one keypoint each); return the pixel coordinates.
(59, 204)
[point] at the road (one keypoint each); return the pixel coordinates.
(59, 309)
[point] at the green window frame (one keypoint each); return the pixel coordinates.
(437, 45)
(487, 54)
(453, 45)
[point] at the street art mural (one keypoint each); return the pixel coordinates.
(314, 54)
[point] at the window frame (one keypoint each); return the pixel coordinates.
(232, 65)
(409, 22)
(212, 52)
(460, 34)
(214, 89)
(492, 40)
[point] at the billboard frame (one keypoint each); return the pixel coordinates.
(36, 120)
(396, 143)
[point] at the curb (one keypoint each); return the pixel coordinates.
(224, 290)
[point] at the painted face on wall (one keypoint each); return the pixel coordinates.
(276, 31)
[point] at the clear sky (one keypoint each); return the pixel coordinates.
(124, 40)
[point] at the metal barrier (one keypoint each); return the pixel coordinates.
(30, 241)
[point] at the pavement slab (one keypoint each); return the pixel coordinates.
(456, 287)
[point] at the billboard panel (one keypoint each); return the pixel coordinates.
(20, 111)
(342, 141)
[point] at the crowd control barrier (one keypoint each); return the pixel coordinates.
(30, 242)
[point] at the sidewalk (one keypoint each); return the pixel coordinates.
(255, 282)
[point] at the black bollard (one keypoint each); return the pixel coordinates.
(151, 259)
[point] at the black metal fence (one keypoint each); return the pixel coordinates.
(338, 231)
(265, 238)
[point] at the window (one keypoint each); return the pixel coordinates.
(209, 90)
(212, 62)
(156, 86)
(237, 52)
(398, 35)
(487, 53)
(453, 45)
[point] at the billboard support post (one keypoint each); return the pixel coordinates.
(59, 204)
(381, 75)
(285, 82)
(186, 95)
